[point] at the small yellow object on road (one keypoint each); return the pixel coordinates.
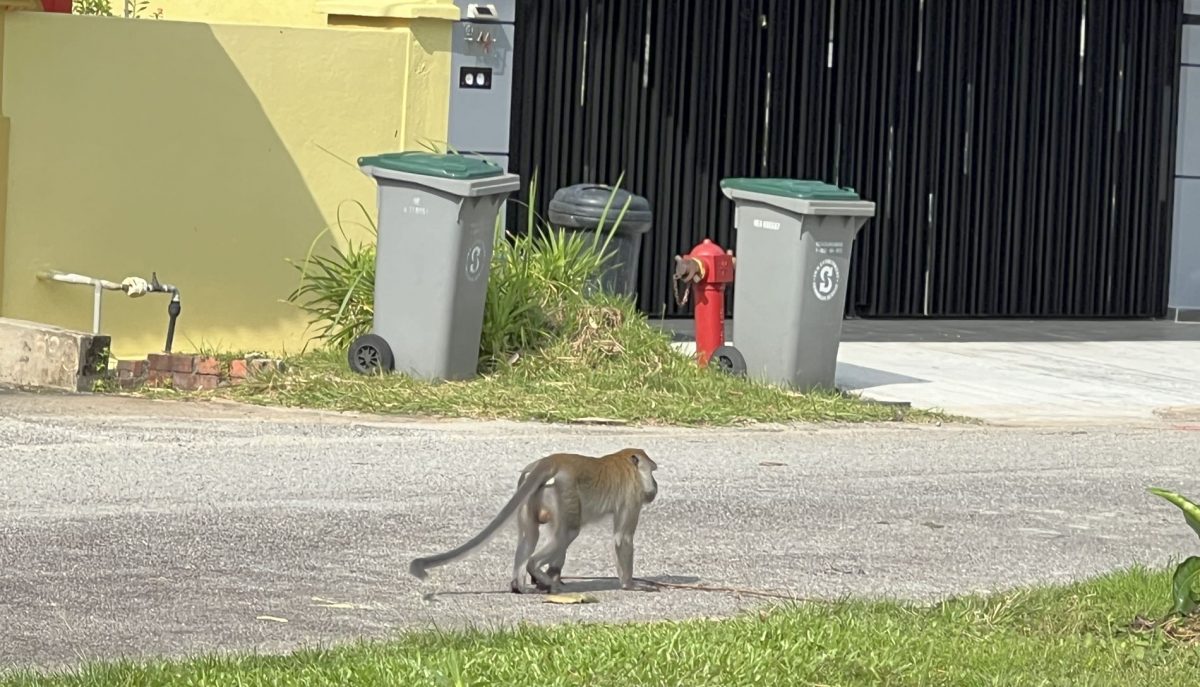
(571, 599)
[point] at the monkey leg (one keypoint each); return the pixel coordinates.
(561, 502)
(528, 530)
(555, 561)
(624, 525)
(552, 555)
(550, 513)
(555, 565)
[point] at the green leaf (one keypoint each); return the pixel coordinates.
(1183, 586)
(1191, 511)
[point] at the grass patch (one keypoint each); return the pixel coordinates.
(606, 361)
(1076, 635)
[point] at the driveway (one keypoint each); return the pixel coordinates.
(1020, 372)
(1032, 381)
(137, 528)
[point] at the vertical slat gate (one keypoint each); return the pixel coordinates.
(1018, 151)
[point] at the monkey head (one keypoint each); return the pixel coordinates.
(645, 467)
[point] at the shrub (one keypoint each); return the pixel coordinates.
(539, 281)
(103, 8)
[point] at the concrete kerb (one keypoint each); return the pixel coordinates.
(36, 355)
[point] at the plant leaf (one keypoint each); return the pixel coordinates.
(1183, 586)
(1191, 511)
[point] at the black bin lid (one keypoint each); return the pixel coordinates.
(582, 205)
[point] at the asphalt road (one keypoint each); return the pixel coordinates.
(134, 529)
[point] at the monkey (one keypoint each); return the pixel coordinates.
(567, 491)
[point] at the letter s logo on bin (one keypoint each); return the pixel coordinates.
(474, 262)
(825, 279)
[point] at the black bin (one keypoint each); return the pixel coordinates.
(579, 209)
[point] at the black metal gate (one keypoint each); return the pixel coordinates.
(1019, 151)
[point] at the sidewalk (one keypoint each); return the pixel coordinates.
(1023, 372)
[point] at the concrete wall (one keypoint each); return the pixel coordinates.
(1185, 249)
(207, 153)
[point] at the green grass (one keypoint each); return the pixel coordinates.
(609, 362)
(1072, 635)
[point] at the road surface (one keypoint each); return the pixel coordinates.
(137, 528)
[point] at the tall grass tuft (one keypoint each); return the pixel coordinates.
(539, 279)
(338, 291)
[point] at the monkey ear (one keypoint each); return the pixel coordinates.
(634, 457)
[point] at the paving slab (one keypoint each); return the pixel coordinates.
(133, 528)
(1069, 381)
(1023, 372)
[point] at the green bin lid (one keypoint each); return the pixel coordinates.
(804, 189)
(449, 166)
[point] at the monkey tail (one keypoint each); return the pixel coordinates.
(419, 567)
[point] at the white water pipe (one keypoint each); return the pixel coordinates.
(131, 286)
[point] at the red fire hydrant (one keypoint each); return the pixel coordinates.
(709, 269)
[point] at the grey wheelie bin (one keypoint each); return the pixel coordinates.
(794, 240)
(433, 256)
(580, 208)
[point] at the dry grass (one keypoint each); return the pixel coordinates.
(605, 361)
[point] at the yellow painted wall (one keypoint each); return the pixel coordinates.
(303, 13)
(208, 153)
(273, 12)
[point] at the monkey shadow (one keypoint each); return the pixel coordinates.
(573, 585)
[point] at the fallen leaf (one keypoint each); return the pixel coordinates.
(576, 598)
(272, 618)
(772, 464)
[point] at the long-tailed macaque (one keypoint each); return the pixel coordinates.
(567, 492)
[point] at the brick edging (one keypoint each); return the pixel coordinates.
(188, 372)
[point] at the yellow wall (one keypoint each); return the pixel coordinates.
(208, 153)
(309, 13)
(275, 12)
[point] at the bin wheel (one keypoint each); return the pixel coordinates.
(370, 354)
(729, 360)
